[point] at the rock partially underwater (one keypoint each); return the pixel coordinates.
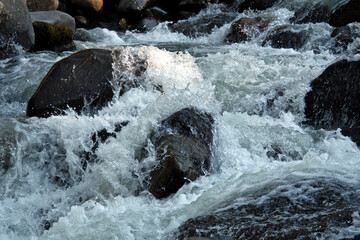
(183, 149)
(292, 208)
(74, 82)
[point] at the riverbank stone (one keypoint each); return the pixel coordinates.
(15, 27)
(80, 81)
(334, 101)
(183, 149)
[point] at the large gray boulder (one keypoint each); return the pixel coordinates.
(42, 5)
(15, 26)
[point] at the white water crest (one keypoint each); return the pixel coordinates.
(255, 94)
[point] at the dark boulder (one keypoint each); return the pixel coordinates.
(292, 208)
(245, 29)
(256, 4)
(131, 6)
(333, 101)
(312, 13)
(76, 81)
(42, 5)
(286, 37)
(55, 37)
(7, 149)
(15, 26)
(183, 148)
(345, 14)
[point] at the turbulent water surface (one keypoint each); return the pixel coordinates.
(261, 148)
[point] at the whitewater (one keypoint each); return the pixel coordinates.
(261, 147)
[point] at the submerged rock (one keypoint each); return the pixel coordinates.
(334, 101)
(291, 36)
(289, 209)
(7, 149)
(79, 81)
(245, 28)
(183, 148)
(347, 13)
(15, 26)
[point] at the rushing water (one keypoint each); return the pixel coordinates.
(256, 95)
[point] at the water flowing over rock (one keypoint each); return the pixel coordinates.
(42, 5)
(183, 148)
(15, 26)
(312, 13)
(76, 81)
(287, 37)
(333, 101)
(201, 26)
(347, 13)
(280, 212)
(245, 28)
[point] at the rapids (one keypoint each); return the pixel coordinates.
(255, 93)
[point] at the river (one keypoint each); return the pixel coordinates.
(256, 96)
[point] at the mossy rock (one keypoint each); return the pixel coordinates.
(54, 37)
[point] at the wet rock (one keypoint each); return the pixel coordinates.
(197, 27)
(57, 37)
(347, 13)
(292, 208)
(343, 37)
(353, 133)
(42, 5)
(88, 6)
(246, 28)
(333, 101)
(313, 14)
(15, 26)
(54, 30)
(53, 17)
(287, 37)
(183, 148)
(79, 81)
(256, 4)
